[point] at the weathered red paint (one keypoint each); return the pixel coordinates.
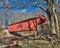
(27, 25)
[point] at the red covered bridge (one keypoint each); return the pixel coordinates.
(27, 25)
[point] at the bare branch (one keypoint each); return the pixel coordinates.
(7, 7)
(56, 1)
(40, 8)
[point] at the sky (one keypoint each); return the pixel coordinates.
(28, 9)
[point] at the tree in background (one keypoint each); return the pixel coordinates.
(6, 18)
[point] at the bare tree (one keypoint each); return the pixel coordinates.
(51, 11)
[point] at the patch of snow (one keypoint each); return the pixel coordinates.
(7, 33)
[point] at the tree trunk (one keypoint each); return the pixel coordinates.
(50, 15)
(56, 22)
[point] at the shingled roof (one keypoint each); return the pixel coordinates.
(26, 18)
(20, 16)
